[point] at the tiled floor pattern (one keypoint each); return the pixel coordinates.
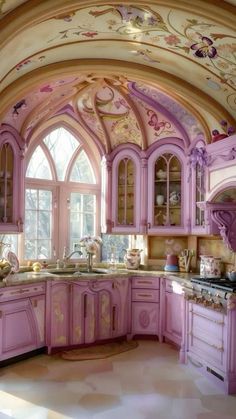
(144, 383)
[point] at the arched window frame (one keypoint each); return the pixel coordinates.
(60, 189)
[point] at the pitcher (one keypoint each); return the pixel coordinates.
(132, 258)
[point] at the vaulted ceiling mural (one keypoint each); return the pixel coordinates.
(131, 72)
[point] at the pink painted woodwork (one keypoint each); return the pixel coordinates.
(82, 312)
(22, 320)
(125, 199)
(145, 306)
(167, 179)
(211, 343)
(172, 312)
(11, 180)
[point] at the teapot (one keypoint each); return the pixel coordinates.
(174, 198)
(132, 258)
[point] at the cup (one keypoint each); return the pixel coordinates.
(160, 199)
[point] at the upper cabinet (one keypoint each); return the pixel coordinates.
(125, 196)
(167, 209)
(11, 180)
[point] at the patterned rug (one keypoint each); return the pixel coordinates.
(99, 351)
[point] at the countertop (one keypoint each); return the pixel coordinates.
(43, 275)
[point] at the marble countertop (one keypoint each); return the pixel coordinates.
(43, 275)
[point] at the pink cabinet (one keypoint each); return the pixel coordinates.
(11, 180)
(211, 343)
(145, 306)
(125, 194)
(112, 311)
(82, 312)
(168, 191)
(22, 320)
(172, 311)
(71, 314)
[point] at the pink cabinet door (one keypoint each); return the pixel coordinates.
(105, 311)
(18, 333)
(207, 335)
(112, 308)
(125, 196)
(11, 180)
(145, 318)
(59, 314)
(120, 307)
(173, 321)
(39, 307)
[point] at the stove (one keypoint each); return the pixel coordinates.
(212, 293)
(220, 284)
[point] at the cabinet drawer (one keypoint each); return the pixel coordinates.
(12, 293)
(145, 295)
(153, 283)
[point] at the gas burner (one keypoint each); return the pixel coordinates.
(217, 283)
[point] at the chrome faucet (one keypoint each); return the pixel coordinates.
(67, 257)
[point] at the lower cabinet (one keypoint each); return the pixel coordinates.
(145, 306)
(22, 320)
(82, 312)
(172, 311)
(211, 343)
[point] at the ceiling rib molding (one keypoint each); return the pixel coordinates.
(159, 79)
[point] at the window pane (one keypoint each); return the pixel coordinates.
(44, 249)
(31, 224)
(11, 240)
(114, 244)
(30, 249)
(88, 224)
(38, 224)
(31, 199)
(45, 200)
(38, 166)
(82, 216)
(82, 170)
(44, 224)
(61, 145)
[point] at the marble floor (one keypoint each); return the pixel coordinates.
(144, 383)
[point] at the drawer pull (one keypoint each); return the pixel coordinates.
(219, 348)
(85, 305)
(220, 322)
(145, 295)
(0, 314)
(20, 291)
(113, 317)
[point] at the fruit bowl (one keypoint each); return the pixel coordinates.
(5, 269)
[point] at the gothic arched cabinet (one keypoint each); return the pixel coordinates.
(11, 180)
(125, 199)
(168, 209)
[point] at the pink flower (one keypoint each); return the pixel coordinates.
(172, 40)
(89, 34)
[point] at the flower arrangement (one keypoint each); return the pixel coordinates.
(91, 243)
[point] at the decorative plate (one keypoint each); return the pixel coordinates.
(13, 260)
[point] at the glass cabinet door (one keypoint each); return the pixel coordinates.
(126, 192)
(6, 183)
(167, 191)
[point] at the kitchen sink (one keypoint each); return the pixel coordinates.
(77, 272)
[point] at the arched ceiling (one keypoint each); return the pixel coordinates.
(131, 72)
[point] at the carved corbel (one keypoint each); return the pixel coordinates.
(225, 220)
